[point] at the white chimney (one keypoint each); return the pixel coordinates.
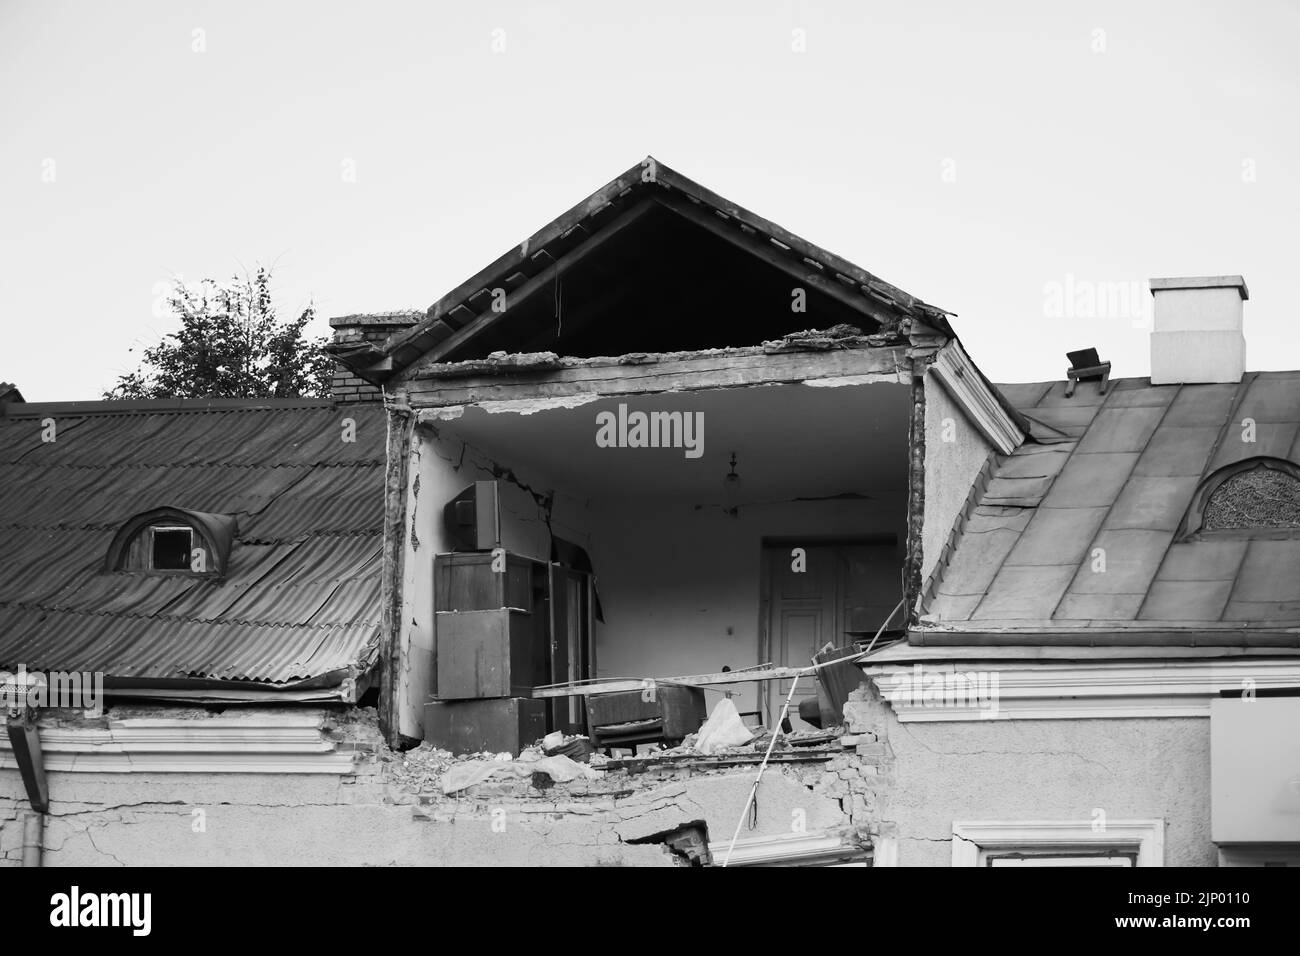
(1198, 336)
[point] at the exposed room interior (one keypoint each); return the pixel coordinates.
(780, 530)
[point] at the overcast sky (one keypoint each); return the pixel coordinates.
(1005, 161)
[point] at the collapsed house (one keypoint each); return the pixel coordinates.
(660, 437)
(664, 461)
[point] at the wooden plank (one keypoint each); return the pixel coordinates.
(797, 269)
(752, 221)
(594, 205)
(401, 425)
(723, 370)
(694, 680)
(915, 496)
(542, 280)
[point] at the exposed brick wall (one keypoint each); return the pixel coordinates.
(347, 386)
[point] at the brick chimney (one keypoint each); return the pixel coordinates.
(1198, 336)
(357, 330)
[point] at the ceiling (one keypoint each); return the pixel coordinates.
(790, 441)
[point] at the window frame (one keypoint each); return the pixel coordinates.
(131, 550)
(974, 842)
(151, 552)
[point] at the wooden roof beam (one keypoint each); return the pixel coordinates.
(532, 286)
(794, 266)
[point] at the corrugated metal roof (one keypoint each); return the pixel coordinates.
(300, 598)
(1027, 557)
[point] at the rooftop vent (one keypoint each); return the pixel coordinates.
(1198, 337)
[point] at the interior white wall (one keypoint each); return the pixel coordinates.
(680, 587)
(442, 467)
(679, 579)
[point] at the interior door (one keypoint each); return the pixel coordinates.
(842, 593)
(570, 630)
(802, 619)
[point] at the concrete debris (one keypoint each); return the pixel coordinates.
(496, 362)
(429, 772)
(836, 337)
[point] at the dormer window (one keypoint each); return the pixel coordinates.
(173, 541)
(1255, 498)
(172, 549)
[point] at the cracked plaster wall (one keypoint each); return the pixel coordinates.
(1014, 770)
(104, 819)
(955, 451)
(440, 468)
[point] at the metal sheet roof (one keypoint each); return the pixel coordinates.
(1026, 557)
(300, 599)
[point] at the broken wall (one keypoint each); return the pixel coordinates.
(387, 808)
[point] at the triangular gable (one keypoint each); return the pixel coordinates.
(652, 261)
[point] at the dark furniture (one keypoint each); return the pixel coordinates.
(504, 625)
(485, 654)
(471, 726)
(664, 713)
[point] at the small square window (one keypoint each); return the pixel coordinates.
(171, 549)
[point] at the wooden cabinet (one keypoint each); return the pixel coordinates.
(465, 581)
(500, 633)
(471, 726)
(488, 654)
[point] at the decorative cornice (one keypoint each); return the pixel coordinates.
(268, 743)
(1007, 690)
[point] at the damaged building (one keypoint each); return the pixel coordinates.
(662, 437)
(668, 538)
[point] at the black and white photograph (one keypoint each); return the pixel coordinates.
(792, 433)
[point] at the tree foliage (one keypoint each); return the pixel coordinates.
(231, 344)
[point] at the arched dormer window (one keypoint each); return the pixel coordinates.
(173, 541)
(1254, 498)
